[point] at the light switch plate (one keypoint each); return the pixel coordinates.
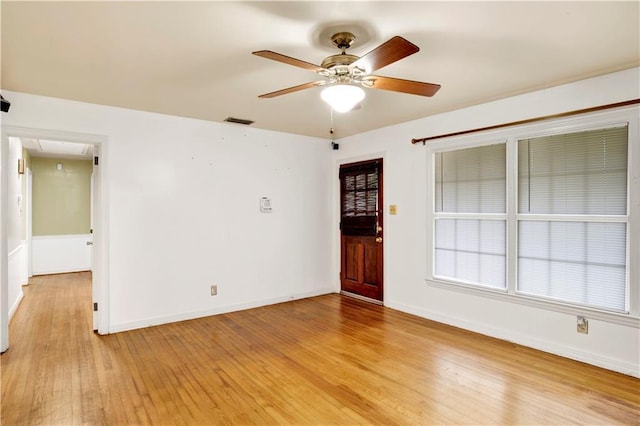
(265, 205)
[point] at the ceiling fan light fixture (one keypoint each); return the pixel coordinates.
(342, 97)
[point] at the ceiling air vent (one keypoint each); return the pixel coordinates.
(239, 121)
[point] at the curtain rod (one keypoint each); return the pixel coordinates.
(529, 120)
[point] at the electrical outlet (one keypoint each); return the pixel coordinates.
(582, 325)
(214, 290)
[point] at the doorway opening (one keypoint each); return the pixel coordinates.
(76, 239)
(361, 230)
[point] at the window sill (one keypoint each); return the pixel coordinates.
(501, 295)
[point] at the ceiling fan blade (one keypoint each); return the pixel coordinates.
(293, 89)
(400, 85)
(287, 60)
(385, 54)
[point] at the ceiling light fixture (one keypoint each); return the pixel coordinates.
(342, 97)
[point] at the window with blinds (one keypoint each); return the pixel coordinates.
(572, 217)
(470, 215)
(360, 188)
(360, 194)
(567, 204)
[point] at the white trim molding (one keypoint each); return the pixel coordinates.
(16, 268)
(16, 304)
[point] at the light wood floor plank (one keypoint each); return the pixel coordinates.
(324, 360)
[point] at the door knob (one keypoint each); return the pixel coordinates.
(378, 239)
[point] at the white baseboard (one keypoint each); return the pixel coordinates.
(16, 265)
(55, 254)
(14, 307)
(149, 322)
(523, 339)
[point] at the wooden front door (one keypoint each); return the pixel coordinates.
(361, 229)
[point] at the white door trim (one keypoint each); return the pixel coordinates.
(4, 255)
(29, 217)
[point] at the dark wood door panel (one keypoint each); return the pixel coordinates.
(372, 259)
(362, 266)
(351, 260)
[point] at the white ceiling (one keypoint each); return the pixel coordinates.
(57, 149)
(194, 59)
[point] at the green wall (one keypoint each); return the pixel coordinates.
(61, 198)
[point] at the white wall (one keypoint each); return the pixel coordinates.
(612, 345)
(184, 210)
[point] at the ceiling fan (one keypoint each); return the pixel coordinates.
(344, 74)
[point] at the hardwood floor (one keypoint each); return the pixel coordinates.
(325, 360)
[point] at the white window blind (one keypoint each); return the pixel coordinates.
(471, 180)
(471, 251)
(580, 175)
(470, 204)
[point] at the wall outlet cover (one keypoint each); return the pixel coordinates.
(582, 325)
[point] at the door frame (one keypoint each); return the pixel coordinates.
(337, 241)
(100, 274)
(29, 216)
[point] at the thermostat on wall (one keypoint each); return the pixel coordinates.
(265, 205)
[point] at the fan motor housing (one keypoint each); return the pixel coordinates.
(340, 59)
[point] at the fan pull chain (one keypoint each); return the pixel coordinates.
(334, 145)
